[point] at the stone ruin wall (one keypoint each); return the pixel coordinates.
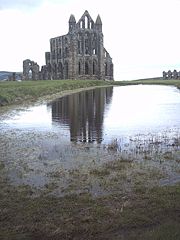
(30, 70)
(171, 74)
(80, 54)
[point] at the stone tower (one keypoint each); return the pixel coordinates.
(80, 54)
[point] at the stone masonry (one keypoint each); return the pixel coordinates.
(80, 54)
(30, 70)
(171, 75)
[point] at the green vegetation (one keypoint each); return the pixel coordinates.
(17, 92)
(155, 81)
(144, 215)
(111, 195)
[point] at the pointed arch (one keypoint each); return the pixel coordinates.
(94, 51)
(79, 47)
(81, 24)
(79, 41)
(86, 68)
(87, 44)
(94, 44)
(54, 67)
(91, 24)
(86, 22)
(94, 67)
(60, 67)
(30, 74)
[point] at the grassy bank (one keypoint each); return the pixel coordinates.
(155, 81)
(17, 92)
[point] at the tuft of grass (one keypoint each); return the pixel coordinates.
(100, 172)
(113, 145)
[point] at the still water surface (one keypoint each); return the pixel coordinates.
(104, 114)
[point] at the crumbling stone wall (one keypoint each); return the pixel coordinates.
(80, 54)
(171, 75)
(30, 70)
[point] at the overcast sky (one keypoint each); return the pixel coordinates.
(142, 36)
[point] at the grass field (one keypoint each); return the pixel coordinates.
(150, 81)
(17, 92)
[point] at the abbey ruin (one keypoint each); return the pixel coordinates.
(80, 54)
(171, 75)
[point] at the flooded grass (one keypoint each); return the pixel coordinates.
(143, 214)
(88, 191)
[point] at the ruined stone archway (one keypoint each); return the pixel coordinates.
(30, 70)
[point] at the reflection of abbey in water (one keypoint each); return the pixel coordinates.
(84, 113)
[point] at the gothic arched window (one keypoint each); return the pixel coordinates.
(91, 25)
(86, 68)
(94, 67)
(79, 47)
(87, 43)
(86, 20)
(81, 24)
(59, 67)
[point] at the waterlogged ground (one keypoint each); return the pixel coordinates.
(53, 188)
(44, 160)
